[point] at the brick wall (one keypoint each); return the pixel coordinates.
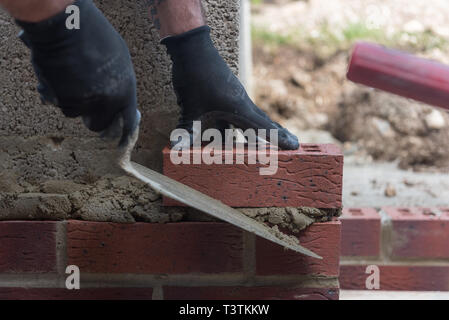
(409, 245)
(163, 261)
(188, 260)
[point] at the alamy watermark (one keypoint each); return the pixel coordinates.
(258, 150)
(73, 20)
(373, 280)
(72, 282)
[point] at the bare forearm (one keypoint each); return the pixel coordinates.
(34, 10)
(173, 17)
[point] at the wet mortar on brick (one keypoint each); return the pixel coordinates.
(122, 199)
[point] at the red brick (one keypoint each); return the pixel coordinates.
(321, 238)
(445, 212)
(408, 278)
(27, 246)
(310, 176)
(360, 232)
(250, 293)
(145, 248)
(418, 233)
(83, 294)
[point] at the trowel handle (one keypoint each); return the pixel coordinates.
(400, 73)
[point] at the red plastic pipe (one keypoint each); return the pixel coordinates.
(400, 73)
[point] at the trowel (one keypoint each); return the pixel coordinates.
(195, 199)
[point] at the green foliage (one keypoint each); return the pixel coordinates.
(330, 39)
(270, 38)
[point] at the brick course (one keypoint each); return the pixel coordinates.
(361, 231)
(322, 238)
(144, 248)
(308, 177)
(408, 278)
(413, 253)
(192, 260)
(419, 233)
(83, 294)
(27, 247)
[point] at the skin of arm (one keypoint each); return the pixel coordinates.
(34, 10)
(174, 17)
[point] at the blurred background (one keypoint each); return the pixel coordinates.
(396, 150)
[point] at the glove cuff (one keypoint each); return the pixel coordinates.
(51, 27)
(190, 42)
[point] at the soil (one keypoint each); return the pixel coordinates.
(303, 85)
(302, 96)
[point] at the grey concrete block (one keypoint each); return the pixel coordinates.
(38, 143)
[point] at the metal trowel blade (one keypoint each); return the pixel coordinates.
(195, 199)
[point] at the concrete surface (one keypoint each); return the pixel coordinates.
(392, 295)
(364, 186)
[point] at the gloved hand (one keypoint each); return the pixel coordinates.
(206, 86)
(86, 72)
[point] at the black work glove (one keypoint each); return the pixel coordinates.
(206, 87)
(86, 72)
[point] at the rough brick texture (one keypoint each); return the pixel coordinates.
(419, 233)
(310, 177)
(409, 278)
(361, 232)
(250, 293)
(322, 238)
(144, 248)
(27, 247)
(414, 248)
(83, 294)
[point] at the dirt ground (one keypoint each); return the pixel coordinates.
(301, 51)
(396, 150)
